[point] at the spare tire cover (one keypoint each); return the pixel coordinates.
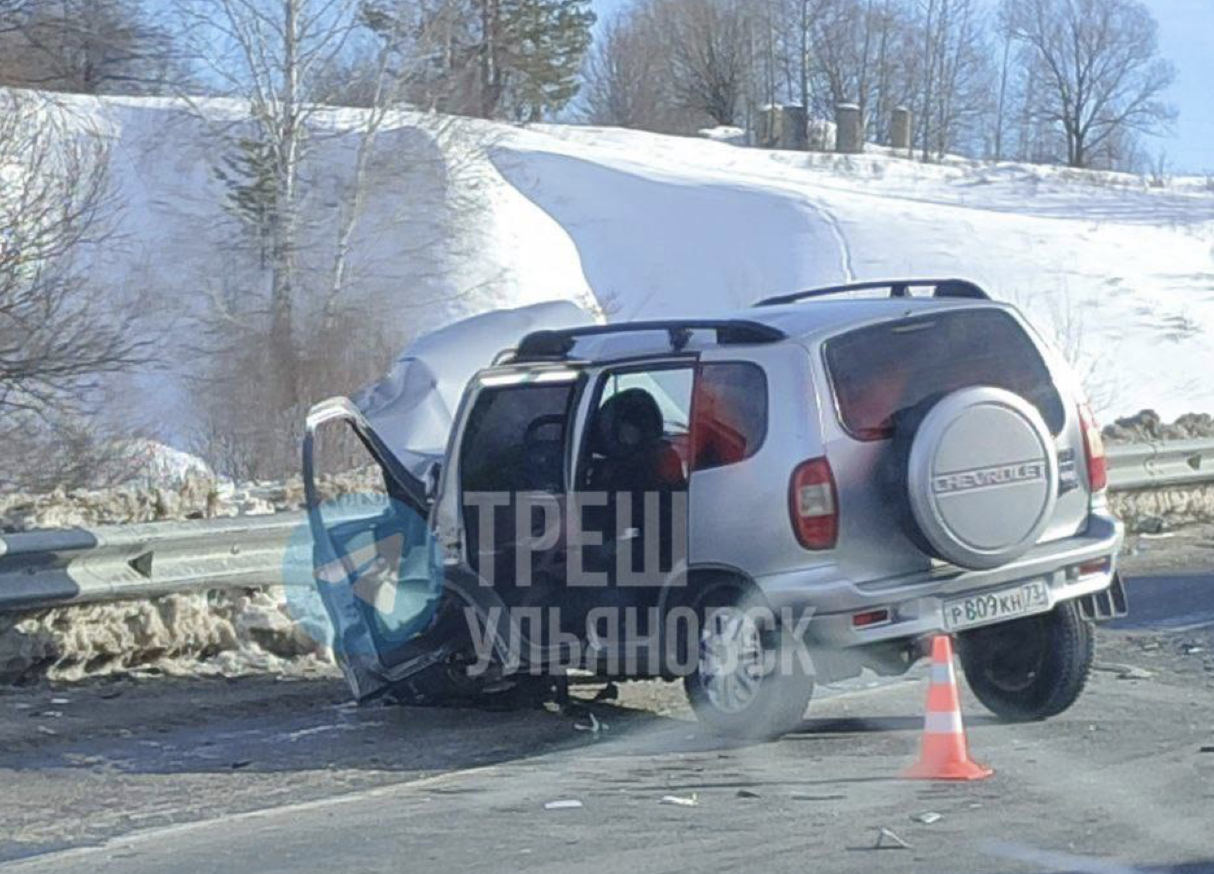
(982, 476)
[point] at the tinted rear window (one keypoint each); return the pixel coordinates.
(880, 371)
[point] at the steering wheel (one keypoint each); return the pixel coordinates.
(539, 423)
(542, 458)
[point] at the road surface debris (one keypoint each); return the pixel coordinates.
(888, 840)
(681, 800)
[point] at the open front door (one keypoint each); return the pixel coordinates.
(373, 559)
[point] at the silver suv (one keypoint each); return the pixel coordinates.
(813, 487)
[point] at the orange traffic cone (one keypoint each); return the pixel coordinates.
(945, 753)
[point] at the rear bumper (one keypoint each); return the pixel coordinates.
(916, 602)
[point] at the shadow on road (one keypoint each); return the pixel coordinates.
(264, 724)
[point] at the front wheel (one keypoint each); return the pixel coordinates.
(751, 680)
(1031, 668)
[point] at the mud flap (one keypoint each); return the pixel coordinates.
(1111, 603)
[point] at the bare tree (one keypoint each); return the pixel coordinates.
(399, 62)
(86, 46)
(959, 77)
(999, 118)
(802, 17)
(710, 50)
(1099, 67)
(863, 54)
(59, 330)
(268, 51)
(623, 76)
(64, 332)
(297, 309)
(13, 14)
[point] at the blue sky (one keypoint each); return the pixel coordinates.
(1186, 36)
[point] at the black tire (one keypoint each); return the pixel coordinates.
(781, 694)
(1032, 668)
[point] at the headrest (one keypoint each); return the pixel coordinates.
(628, 421)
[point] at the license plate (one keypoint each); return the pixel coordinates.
(1024, 599)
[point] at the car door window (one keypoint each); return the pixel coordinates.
(633, 479)
(639, 432)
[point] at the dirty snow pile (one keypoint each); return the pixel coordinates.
(1148, 427)
(216, 633)
(195, 497)
(223, 632)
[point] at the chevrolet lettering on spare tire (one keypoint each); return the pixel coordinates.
(1005, 474)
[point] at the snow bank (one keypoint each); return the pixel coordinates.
(476, 216)
(160, 464)
(734, 136)
(1119, 273)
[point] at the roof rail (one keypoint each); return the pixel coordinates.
(897, 288)
(541, 345)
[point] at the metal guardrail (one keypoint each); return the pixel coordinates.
(1135, 466)
(122, 562)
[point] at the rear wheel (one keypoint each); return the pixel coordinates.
(1031, 668)
(750, 679)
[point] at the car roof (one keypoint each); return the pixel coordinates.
(824, 317)
(805, 320)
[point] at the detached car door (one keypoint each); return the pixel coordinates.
(373, 557)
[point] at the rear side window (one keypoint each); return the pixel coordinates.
(729, 413)
(883, 370)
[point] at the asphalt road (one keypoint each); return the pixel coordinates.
(256, 774)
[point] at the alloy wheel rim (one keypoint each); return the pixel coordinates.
(731, 660)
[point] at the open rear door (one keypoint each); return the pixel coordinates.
(373, 557)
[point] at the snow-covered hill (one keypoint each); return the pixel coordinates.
(490, 215)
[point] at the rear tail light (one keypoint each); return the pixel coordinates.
(1093, 448)
(813, 505)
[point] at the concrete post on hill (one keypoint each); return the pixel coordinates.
(900, 129)
(769, 127)
(784, 127)
(794, 128)
(849, 136)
